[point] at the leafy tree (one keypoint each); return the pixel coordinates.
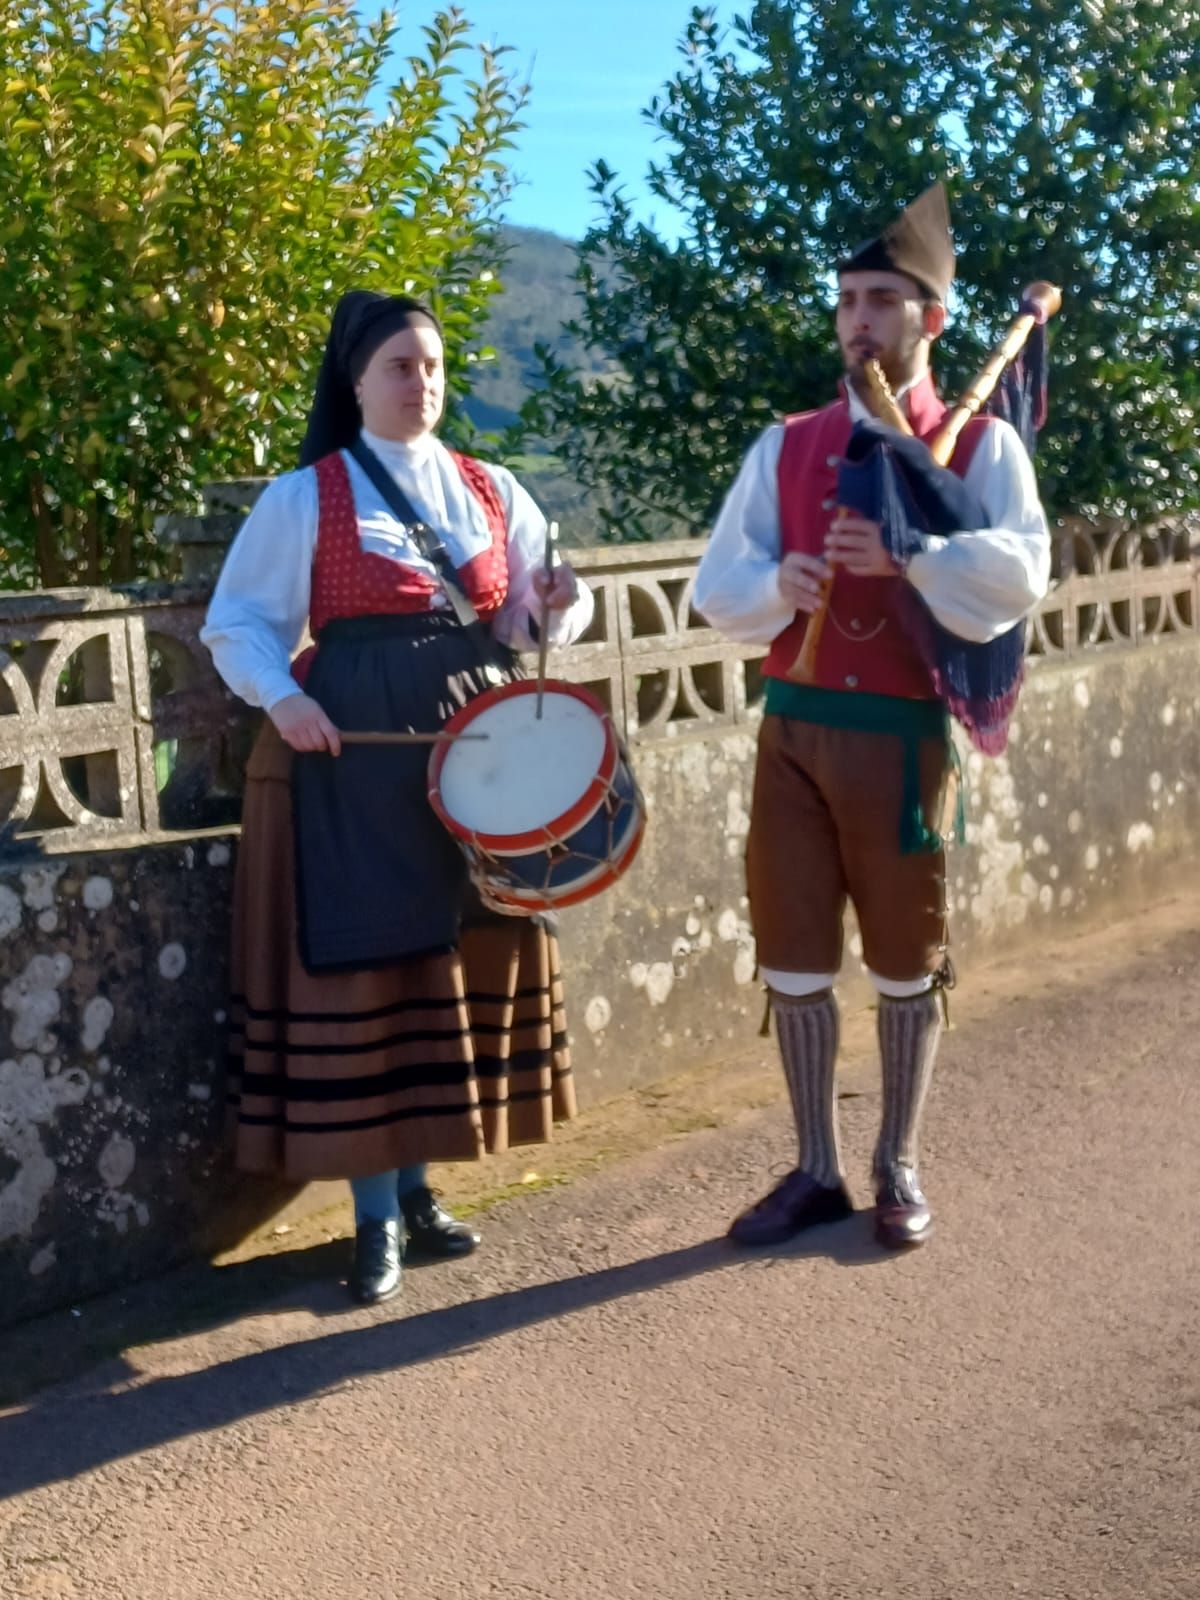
(1070, 140)
(186, 186)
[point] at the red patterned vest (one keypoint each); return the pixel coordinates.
(348, 581)
(863, 646)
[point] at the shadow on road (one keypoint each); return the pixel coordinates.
(58, 1437)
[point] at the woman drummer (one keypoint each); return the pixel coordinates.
(382, 1018)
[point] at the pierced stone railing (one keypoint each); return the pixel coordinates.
(113, 724)
(115, 728)
(1117, 585)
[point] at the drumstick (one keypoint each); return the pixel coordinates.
(406, 738)
(544, 625)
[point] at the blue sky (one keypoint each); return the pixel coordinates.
(594, 66)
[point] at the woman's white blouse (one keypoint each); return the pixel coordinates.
(259, 610)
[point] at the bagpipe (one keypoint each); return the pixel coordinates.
(893, 478)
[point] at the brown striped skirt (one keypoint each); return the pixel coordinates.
(444, 1057)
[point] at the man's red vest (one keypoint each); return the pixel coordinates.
(864, 646)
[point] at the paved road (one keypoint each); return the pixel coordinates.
(607, 1403)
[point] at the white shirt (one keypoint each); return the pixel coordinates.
(260, 607)
(978, 583)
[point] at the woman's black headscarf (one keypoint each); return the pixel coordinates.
(362, 322)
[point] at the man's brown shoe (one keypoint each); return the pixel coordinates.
(902, 1215)
(795, 1203)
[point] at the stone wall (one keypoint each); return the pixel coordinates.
(120, 756)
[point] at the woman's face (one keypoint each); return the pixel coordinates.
(403, 390)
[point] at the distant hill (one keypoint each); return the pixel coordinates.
(538, 297)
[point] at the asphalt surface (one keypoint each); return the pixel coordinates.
(608, 1402)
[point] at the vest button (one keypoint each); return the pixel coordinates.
(833, 461)
(828, 505)
(855, 624)
(851, 682)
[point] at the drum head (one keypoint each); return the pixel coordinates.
(531, 778)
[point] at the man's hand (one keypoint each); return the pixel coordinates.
(558, 589)
(304, 726)
(804, 580)
(856, 544)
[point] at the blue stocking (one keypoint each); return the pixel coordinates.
(375, 1198)
(409, 1178)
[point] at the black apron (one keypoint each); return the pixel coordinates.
(378, 877)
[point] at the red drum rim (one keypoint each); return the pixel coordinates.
(556, 827)
(606, 875)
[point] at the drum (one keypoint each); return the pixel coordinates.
(546, 809)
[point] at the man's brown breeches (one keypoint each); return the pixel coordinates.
(825, 824)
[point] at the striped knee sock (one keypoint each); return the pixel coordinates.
(808, 1041)
(909, 1031)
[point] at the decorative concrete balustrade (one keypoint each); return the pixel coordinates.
(114, 726)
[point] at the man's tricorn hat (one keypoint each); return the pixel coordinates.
(917, 243)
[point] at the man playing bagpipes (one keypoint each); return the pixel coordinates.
(891, 591)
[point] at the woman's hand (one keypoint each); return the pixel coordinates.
(803, 580)
(558, 589)
(304, 726)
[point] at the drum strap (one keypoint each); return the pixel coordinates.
(431, 547)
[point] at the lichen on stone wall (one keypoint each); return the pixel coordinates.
(97, 893)
(97, 1019)
(84, 1100)
(40, 884)
(172, 961)
(34, 1002)
(30, 1097)
(597, 1014)
(117, 1161)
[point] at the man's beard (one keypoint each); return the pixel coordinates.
(899, 366)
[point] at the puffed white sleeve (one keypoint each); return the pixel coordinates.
(259, 608)
(980, 582)
(737, 587)
(516, 623)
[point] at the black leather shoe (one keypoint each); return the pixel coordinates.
(376, 1274)
(432, 1231)
(796, 1203)
(902, 1215)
